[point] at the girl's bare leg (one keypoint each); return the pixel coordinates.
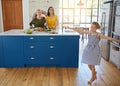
(92, 68)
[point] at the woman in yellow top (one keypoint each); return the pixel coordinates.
(51, 18)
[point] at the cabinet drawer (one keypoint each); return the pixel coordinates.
(42, 47)
(41, 60)
(41, 38)
(33, 60)
(32, 48)
(49, 38)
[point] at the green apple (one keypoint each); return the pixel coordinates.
(29, 31)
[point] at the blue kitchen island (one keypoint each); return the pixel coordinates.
(18, 49)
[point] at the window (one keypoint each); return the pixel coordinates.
(73, 14)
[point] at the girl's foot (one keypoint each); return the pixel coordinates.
(90, 82)
(93, 78)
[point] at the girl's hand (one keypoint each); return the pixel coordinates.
(77, 30)
(67, 27)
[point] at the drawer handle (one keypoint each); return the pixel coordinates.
(31, 38)
(32, 58)
(51, 38)
(51, 58)
(51, 47)
(32, 47)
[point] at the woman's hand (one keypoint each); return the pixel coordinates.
(54, 27)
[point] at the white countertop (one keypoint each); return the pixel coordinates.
(22, 33)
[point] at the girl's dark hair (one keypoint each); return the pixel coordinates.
(96, 24)
(48, 13)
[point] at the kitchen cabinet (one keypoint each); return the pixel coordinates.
(115, 55)
(39, 49)
(1, 53)
(13, 51)
(59, 51)
(70, 52)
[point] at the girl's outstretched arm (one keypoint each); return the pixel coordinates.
(79, 30)
(108, 38)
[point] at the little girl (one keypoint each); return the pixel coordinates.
(91, 54)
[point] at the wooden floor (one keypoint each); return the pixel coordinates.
(107, 75)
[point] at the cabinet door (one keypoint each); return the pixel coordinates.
(1, 53)
(13, 51)
(69, 51)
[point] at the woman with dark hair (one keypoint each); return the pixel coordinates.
(38, 20)
(52, 19)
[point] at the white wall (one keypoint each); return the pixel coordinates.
(25, 4)
(1, 23)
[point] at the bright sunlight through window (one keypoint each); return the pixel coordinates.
(79, 12)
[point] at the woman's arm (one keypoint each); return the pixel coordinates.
(45, 21)
(42, 15)
(108, 38)
(56, 23)
(31, 23)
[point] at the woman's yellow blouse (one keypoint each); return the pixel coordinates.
(51, 21)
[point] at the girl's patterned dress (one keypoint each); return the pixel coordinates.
(91, 54)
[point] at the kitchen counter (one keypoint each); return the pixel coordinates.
(22, 33)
